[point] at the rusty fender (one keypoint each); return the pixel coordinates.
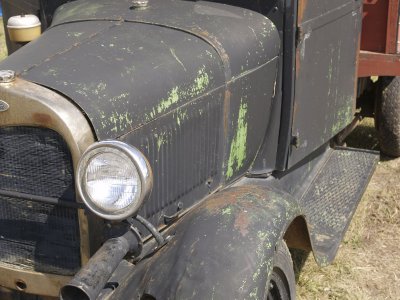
(223, 249)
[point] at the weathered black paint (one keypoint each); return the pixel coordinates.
(326, 65)
(190, 84)
(222, 249)
(328, 186)
(134, 72)
(288, 83)
(195, 85)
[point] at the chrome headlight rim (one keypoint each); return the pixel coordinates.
(143, 169)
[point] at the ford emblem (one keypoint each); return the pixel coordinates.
(4, 106)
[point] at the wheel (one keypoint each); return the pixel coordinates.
(387, 116)
(282, 284)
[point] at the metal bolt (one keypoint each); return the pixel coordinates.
(7, 76)
(180, 205)
(140, 3)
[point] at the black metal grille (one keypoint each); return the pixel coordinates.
(185, 164)
(33, 235)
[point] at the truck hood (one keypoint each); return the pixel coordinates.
(126, 67)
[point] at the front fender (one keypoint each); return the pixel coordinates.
(223, 249)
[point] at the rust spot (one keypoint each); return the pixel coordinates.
(242, 223)
(300, 18)
(215, 43)
(357, 64)
(227, 102)
(43, 119)
(301, 10)
(219, 202)
(234, 197)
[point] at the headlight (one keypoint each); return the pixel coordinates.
(114, 179)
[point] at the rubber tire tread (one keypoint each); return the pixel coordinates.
(387, 116)
(283, 261)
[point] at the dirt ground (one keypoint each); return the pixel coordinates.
(368, 262)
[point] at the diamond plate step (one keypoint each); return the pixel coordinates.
(332, 198)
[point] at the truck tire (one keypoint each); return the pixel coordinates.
(387, 116)
(282, 284)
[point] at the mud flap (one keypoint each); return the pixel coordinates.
(331, 200)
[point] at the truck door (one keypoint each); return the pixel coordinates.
(326, 62)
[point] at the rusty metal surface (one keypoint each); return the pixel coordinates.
(326, 73)
(222, 249)
(245, 221)
(189, 147)
(378, 64)
(202, 75)
(142, 84)
(124, 97)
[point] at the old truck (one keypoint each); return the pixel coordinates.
(171, 149)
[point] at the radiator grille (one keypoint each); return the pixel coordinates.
(37, 236)
(184, 156)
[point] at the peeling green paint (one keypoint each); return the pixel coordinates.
(177, 93)
(161, 139)
(119, 121)
(209, 54)
(173, 97)
(94, 88)
(51, 72)
(253, 294)
(343, 117)
(239, 144)
(201, 82)
(181, 115)
(227, 211)
(119, 97)
(74, 34)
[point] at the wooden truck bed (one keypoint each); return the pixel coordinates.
(379, 53)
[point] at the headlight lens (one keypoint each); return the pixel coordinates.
(113, 179)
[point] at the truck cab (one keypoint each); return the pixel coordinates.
(172, 149)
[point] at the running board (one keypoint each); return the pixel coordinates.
(333, 196)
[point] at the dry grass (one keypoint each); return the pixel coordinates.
(3, 49)
(368, 262)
